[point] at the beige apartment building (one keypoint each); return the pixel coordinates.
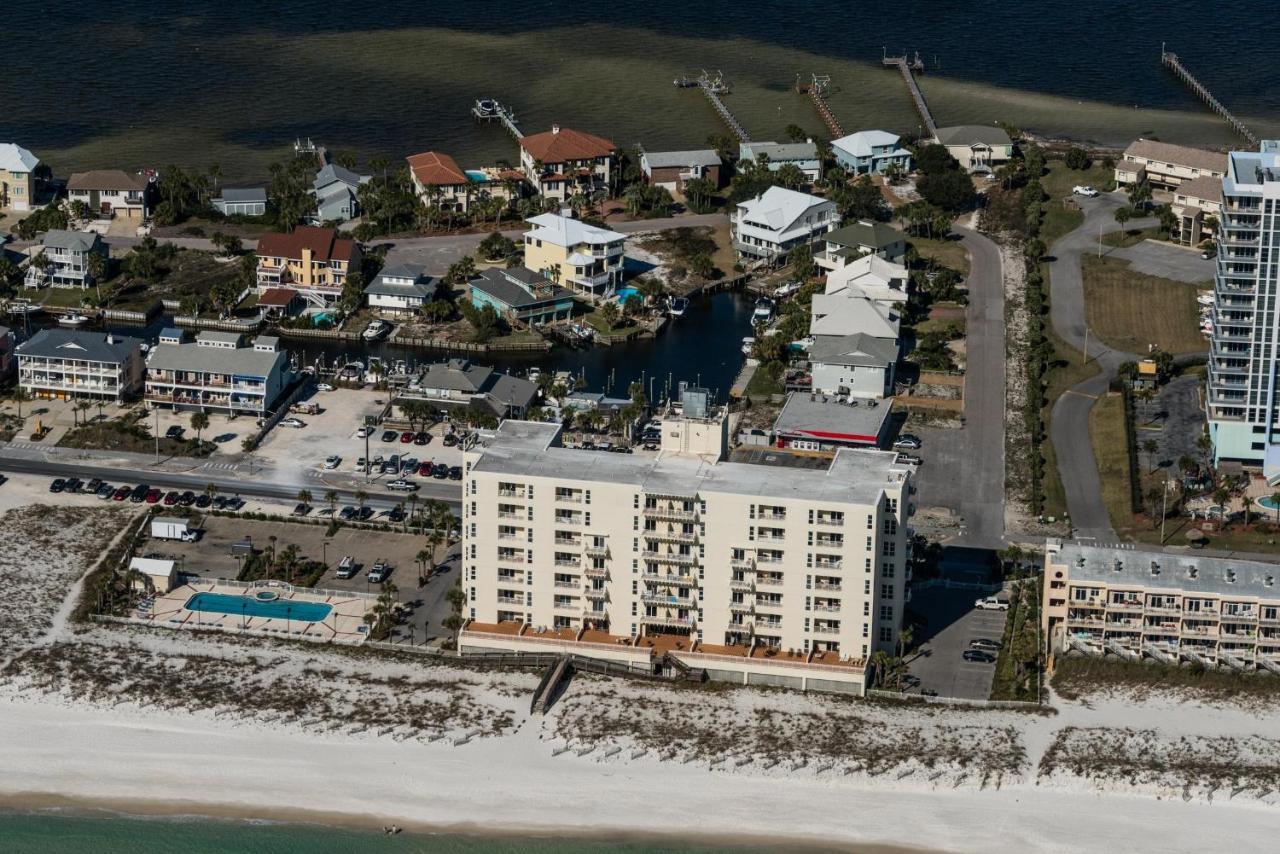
(1117, 600)
(310, 260)
(1167, 165)
(776, 574)
(1197, 204)
(574, 255)
(17, 177)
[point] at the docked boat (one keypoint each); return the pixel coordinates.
(375, 330)
(23, 307)
(677, 306)
(748, 345)
(73, 320)
(764, 310)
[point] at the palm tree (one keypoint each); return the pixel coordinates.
(1151, 446)
(20, 395)
(362, 498)
(97, 270)
(331, 496)
(271, 553)
(211, 490)
(1248, 506)
(424, 557)
(1275, 502)
(199, 421)
(304, 497)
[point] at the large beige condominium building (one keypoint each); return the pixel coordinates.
(1167, 165)
(684, 551)
(1171, 607)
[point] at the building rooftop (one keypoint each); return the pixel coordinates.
(862, 143)
(70, 241)
(106, 179)
(856, 349)
(402, 280)
(1178, 155)
(1207, 188)
(277, 297)
(560, 144)
(566, 231)
(531, 449)
(972, 135)
(871, 274)
(779, 152)
(436, 169)
(1120, 566)
(244, 194)
(678, 159)
(816, 416)
(519, 287)
(240, 361)
(849, 312)
(79, 344)
(213, 336)
(777, 208)
(324, 243)
(876, 235)
(332, 172)
(455, 375)
(15, 158)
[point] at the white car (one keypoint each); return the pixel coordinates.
(323, 387)
(332, 462)
(293, 422)
(1084, 190)
(991, 603)
(402, 486)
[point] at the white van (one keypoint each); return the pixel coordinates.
(346, 567)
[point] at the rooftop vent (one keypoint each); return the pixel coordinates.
(1231, 576)
(1269, 581)
(1118, 566)
(1080, 562)
(1191, 572)
(1155, 568)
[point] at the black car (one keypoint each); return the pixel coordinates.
(58, 485)
(395, 514)
(347, 513)
(455, 472)
(92, 487)
(365, 514)
(187, 499)
(235, 503)
(440, 471)
(219, 503)
(139, 493)
(450, 440)
(203, 500)
(979, 656)
(423, 438)
(301, 509)
(390, 435)
(72, 484)
(174, 432)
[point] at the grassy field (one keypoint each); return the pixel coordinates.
(1067, 370)
(949, 253)
(1130, 310)
(1107, 433)
(766, 380)
(1075, 677)
(1130, 237)
(1057, 182)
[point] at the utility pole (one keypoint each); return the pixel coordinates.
(1164, 503)
(1084, 360)
(367, 466)
(156, 433)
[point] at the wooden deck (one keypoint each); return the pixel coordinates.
(1170, 61)
(908, 69)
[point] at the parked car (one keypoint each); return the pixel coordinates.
(301, 509)
(425, 469)
(408, 465)
(395, 514)
(1084, 190)
(908, 442)
(171, 498)
(235, 503)
(979, 656)
(323, 387)
(364, 514)
(174, 432)
(989, 644)
(402, 485)
(72, 484)
(220, 502)
(440, 471)
(450, 440)
(91, 487)
(347, 567)
(139, 493)
(406, 437)
(991, 603)
(332, 461)
(422, 438)
(203, 500)
(1209, 253)
(347, 513)
(106, 491)
(122, 493)
(362, 465)
(153, 495)
(188, 498)
(379, 571)
(455, 472)
(389, 435)
(296, 423)
(57, 485)
(909, 459)
(363, 432)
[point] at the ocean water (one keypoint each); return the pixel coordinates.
(63, 833)
(153, 83)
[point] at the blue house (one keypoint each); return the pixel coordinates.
(869, 151)
(335, 189)
(521, 294)
(803, 154)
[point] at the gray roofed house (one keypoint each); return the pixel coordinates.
(71, 241)
(696, 157)
(803, 155)
(864, 237)
(242, 201)
(215, 373)
(859, 349)
(522, 294)
(68, 253)
(70, 363)
(400, 288)
(335, 189)
(978, 148)
(858, 365)
(671, 169)
(458, 382)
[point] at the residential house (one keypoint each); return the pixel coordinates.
(439, 181)
(6, 352)
(458, 383)
(671, 169)
(336, 189)
(873, 277)
(979, 148)
(1197, 203)
(1166, 165)
(803, 155)
(851, 312)
(276, 303)
(816, 422)
(17, 177)
(571, 253)
(400, 289)
(858, 365)
(311, 260)
(69, 252)
(242, 201)
(870, 152)
(112, 193)
(62, 364)
(563, 162)
(857, 239)
(769, 226)
(518, 293)
(216, 373)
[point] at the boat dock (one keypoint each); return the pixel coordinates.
(713, 88)
(909, 68)
(817, 90)
(1170, 61)
(490, 110)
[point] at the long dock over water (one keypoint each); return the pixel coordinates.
(1170, 61)
(713, 88)
(908, 68)
(817, 91)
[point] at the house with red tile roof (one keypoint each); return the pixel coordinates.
(311, 260)
(563, 162)
(442, 184)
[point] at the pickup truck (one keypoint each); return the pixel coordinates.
(378, 574)
(991, 603)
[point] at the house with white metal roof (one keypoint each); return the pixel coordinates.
(870, 151)
(769, 226)
(217, 374)
(571, 253)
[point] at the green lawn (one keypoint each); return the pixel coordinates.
(59, 297)
(766, 380)
(949, 253)
(1057, 183)
(1131, 236)
(1107, 433)
(1130, 310)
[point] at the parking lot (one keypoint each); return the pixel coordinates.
(953, 623)
(224, 431)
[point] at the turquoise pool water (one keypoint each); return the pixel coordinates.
(251, 606)
(476, 175)
(625, 293)
(1267, 503)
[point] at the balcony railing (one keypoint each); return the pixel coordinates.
(669, 557)
(680, 622)
(675, 580)
(594, 593)
(596, 572)
(670, 513)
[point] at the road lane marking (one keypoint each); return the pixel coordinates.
(1079, 394)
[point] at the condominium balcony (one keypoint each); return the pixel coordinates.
(742, 607)
(1132, 605)
(669, 579)
(828, 585)
(671, 536)
(835, 608)
(772, 516)
(679, 515)
(510, 493)
(1241, 617)
(669, 557)
(768, 581)
(770, 539)
(741, 584)
(742, 563)
(667, 600)
(568, 541)
(677, 622)
(836, 542)
(771, 604)
(568, 585)
(1201, 631)
(596, 551)
(831, 522)
(1166, 612)
(565, 562)
(594, 593)
(828, 564)
(511, 600)
(1080, 620)
(569, 520)
(826, 630)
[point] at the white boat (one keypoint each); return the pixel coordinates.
(677, 306)
(763, 311)
(21, 307)
(786, 290)
(74, 319)
(748, 345)
(1205, 299)
(376, 329)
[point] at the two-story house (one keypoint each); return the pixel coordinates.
(68, 254)
(61, 364)
(802, 155)
(672, 169)
(575, 255)
(857, 239)
(563, 162)
(112, 193)
(769, 226)
(400, 289)
(978, 148)
(17, 177)
(216, 373)
(520, 294)
(439, 181)
(311, 260)
(337, 193)
(1167, 165)
(870, 151)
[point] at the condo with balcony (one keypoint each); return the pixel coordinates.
(217, 374)
(61, 364)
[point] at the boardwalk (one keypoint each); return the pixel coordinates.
(713, 88)
(817, 92)
(908, 68)
(1170, 61)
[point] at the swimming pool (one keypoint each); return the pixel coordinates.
(258, 606)
(476, 176)
(626, 293)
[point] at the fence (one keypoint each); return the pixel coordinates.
(196, 626)
(289, 588)
(1131, 450)
(878, 694)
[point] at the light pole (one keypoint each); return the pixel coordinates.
(324, 545)
(156, 433)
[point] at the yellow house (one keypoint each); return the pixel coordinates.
(17, 180)
(575, 255)
(310, 260)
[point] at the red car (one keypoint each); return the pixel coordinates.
(406, 437)
(424, 470)
(171, 498)
(152, 496)
(122, 493)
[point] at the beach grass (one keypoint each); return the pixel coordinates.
(1130, 310)
(949, 253)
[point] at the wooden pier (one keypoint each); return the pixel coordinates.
(713, 88)
(909, 68)
(490, 110)
(817, 90)
(1170, 61)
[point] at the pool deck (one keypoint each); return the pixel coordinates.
(344, 624)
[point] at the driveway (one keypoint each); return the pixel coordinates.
(1167, 260)
(1175, 419)
(940, 665)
